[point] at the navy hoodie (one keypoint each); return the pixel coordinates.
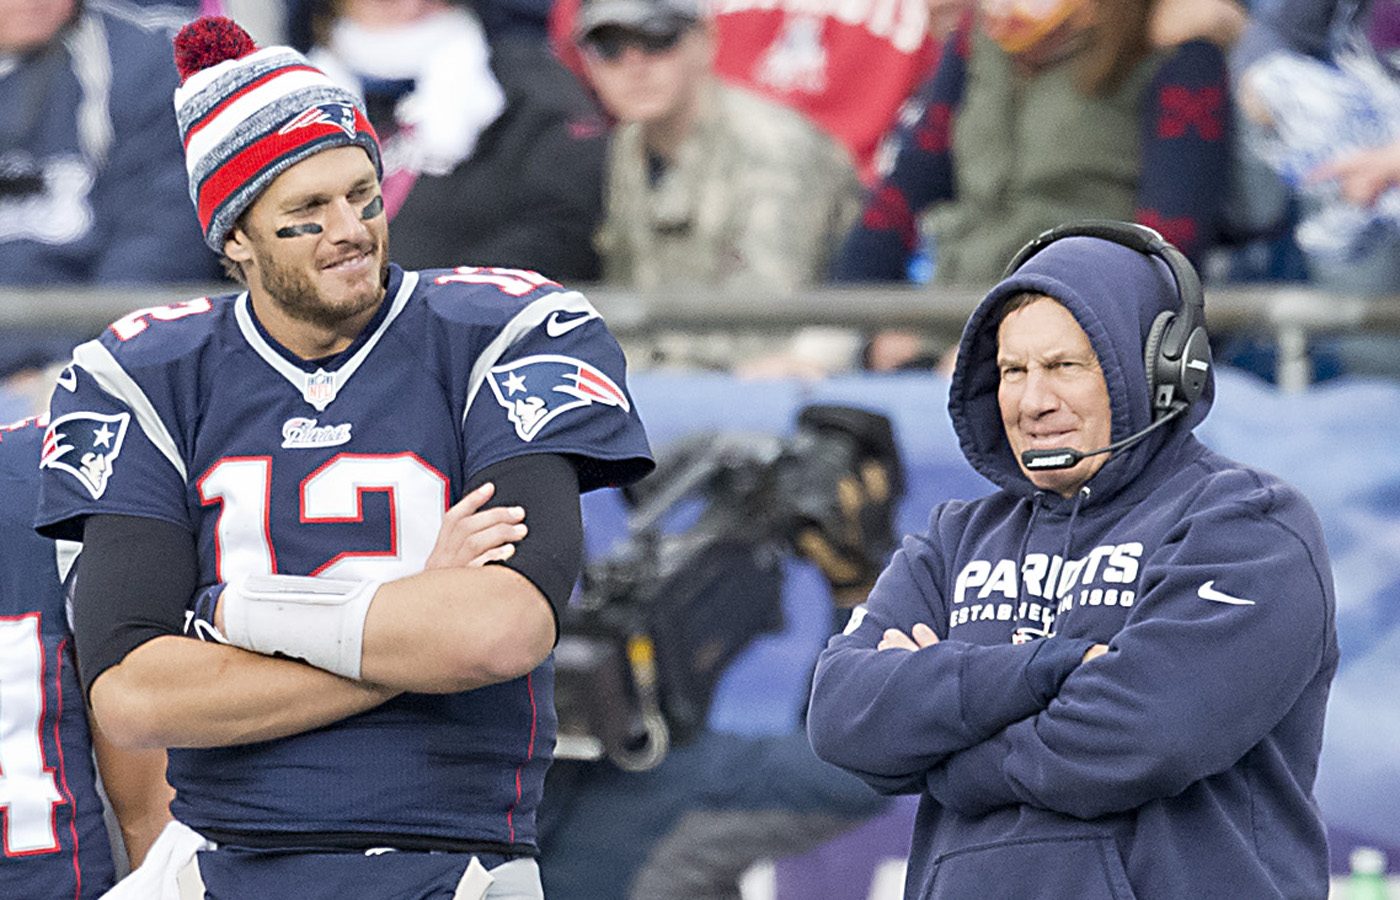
(1177, 766)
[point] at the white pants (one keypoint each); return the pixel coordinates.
(171, 872)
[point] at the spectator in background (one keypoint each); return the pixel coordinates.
(492, 152)
(92, 178)
(1319, 86)
(1042, 113)
(707, 184)
(848, 71)
(1327, 30)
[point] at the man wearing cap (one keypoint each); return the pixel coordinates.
(328, 520)
(708, 184)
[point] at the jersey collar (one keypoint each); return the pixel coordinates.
(320, 387)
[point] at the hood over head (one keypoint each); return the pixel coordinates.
(1115, 293)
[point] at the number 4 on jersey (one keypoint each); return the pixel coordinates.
(28, 790)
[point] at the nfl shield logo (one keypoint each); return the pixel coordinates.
(319, 389)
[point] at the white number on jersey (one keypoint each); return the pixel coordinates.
(28, 790)
(516, 282)
(332, 494)
(133, 323)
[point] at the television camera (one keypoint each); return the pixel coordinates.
(699, 575)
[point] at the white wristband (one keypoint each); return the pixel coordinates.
(318, 620)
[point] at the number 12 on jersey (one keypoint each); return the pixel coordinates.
(332, 494)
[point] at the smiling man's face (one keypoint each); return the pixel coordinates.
(1052, 391)
(315, 243)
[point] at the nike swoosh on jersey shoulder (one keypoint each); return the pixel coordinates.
(558, 326)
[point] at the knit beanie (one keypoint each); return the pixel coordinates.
(248, 114)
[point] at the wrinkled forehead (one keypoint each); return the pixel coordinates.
(1039, 327)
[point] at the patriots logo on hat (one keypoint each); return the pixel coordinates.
(341, 115)
(536, 389)
(85, 444)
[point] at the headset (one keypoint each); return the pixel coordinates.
(1176, 354)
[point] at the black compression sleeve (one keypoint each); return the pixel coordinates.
(134, 578)
(546, 485)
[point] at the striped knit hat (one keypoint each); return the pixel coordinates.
(246, 115)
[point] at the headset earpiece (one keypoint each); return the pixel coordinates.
(1175, 375)
(1151, 362)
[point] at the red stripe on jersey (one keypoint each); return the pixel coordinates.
(595, 392)
(529, 755)
(63, 771)
(598, 387)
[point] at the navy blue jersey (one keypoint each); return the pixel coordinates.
(344, 467)
(55, 841)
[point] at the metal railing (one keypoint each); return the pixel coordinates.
(1289, 314)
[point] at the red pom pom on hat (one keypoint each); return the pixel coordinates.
(209, 41)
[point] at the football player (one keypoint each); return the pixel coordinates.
(369, 478)
(55, 837)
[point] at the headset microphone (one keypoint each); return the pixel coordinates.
(1065, 457)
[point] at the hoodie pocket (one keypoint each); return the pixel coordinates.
(1078, 868)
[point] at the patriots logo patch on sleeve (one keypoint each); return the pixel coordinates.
(536, 389)
(85, 445)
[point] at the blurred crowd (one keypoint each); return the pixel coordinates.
(747, 149)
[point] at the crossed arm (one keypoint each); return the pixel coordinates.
(1187, 687)
(457, 625)
(889, 715)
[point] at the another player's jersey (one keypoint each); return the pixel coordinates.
(55, 840)
(344, 467)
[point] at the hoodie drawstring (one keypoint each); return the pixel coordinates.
(1026, 628)
(1079, 499)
